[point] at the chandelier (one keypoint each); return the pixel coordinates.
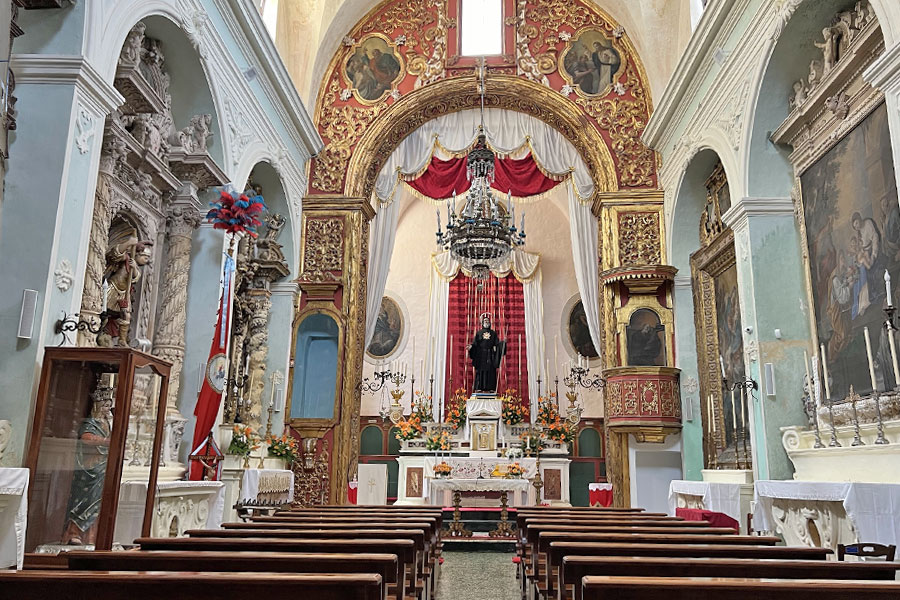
(481, 235)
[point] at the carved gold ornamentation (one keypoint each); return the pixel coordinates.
(639, 239)
(323, 250)
(718, 200)
(459, 93)
(359, 46)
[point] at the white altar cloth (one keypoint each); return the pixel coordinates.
(13, 516)
(252, 478)
(481, 485)
(872, 508)
(468, 468)
(717, 497)
(196, 504)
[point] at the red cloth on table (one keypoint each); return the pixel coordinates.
(716, 519)
(600, 497)
(352, 491)
(521, 177)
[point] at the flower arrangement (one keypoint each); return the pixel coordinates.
(532, 441)
(243, 441)
(514, 410)
(422, 406)
(547, 411)
(438, 441)
(561, 431)
(409, 429)
(514, 452)
(285, 447)
(515, 471)
(442, 469)
(456, 409)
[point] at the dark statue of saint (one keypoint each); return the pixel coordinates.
(91, 456)
(486, 352)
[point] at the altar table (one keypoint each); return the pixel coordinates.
(180, 504)
(872, 509)
(504, 486)
(717, 497)
(13, 516)
(277, 486)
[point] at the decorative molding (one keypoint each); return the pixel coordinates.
(884, 72)
(84, 130)
(737, 216)
(100, 97)
(5, 436)
(63, 276)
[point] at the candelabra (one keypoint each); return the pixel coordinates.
(396, 410)
(71, 323)
(581, 376)
(573, 413)
(747, 385)
(380, 378)
(834, 443)
(857, 439)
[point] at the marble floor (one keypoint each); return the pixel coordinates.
(478, 576)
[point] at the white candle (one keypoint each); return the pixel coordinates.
(745, 404)
(556, 354)
(825, 373)
(887, 287)
(520, 360)
(893, 345)
(712, 416)
(733, 416)
(722, 366)
(809, 382)
(869, 356)
(414, 356)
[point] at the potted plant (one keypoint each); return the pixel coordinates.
(438, 441)
(243, 441)
(285, 447)
(442, 470)
(515, 471)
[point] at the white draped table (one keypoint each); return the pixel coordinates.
(504, 486)
(872, 511)
(718, 497)
(275, 485)
(180, 505)
(13, 516)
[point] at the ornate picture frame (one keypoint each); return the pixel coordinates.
(592, 62)
(372, 68)
(389, 338)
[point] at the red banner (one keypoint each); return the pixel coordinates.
(521, 176)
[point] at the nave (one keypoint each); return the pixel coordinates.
(374, 553)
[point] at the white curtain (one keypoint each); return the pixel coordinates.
(507, 132)
(382, 234)
(527, 268)
(583, 229)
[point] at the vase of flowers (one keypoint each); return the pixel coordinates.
(409, 429)
(456, 409)
(532, 442)
(243, 441)
(442, 470)
(515, 471)
(514, 410)
(285, 447)
(422, 407)
(438, 441)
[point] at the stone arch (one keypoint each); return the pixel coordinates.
(457, 94)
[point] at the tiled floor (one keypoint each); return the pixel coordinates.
(478, 576)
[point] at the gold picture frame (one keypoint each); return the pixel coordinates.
(373, 78)
(590, 70)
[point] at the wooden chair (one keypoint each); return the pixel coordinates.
(865, 551)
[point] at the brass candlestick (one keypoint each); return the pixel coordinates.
(857, 440)
(834, 443)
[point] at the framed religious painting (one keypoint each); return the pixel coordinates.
(591, 62)
(852, 228)
(576, 329)
(373, 68)
(390, 327)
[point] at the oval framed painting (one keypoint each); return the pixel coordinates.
(591, 62)
(373, 68)
(389, 330)
(576, 331)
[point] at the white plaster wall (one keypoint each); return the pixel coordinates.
(547, 228)
(653, 467)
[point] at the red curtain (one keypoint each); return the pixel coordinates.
(504, 299)
(520, 176)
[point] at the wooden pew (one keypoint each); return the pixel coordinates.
(574, 568)
(683, 588)
(384, 565)
(102, 585)
(403, 548)
(595, 509)
(416, 569)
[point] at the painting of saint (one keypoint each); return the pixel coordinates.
(590, 63)
(579, 334)
(853, 232)
(731, 346)
(646, 339)
(388, 330)
(373, 68)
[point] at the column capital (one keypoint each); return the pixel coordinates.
(341, 203)
(182, 219)
(99, 96)
(738, 216)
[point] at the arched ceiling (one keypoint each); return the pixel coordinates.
(310, 32)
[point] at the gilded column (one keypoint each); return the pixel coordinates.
(168, 343)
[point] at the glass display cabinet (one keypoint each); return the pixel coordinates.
(95, 409)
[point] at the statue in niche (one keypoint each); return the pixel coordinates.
(194, 139)
(486, 351)
(124, 259)
(91, 455)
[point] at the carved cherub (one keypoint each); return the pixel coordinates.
(799, 95)
(815, 73)
(828, 47)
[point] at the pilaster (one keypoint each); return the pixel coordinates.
(884, 74)
(772, 286)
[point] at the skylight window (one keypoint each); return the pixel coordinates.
(481, 28)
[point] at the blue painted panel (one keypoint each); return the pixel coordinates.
(315, 368)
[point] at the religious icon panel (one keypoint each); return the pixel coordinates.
(388, 330)
(853, 231)
(579, 334)
(591, 63)
(372, 69)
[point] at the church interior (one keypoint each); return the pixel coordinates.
(450, 299)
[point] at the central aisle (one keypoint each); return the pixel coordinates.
(478, 576)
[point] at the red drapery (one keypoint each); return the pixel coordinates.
(504, 299)
(520, 176)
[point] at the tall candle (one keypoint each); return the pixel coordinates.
(809, 382)
(733, 417)
(745, 405)
(722, 366)
(556, 354)
(893, 346)
(712, 416)
(825, 373)
(869, 356)
(520, 359)
(887, 287)
(451, 359)
(414, 356)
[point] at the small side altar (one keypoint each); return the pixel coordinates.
(460, 486)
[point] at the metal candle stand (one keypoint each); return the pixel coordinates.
(581, 376)
(740, 435)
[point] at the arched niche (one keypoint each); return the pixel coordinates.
(314, 393)
(690, 202)
(264, 175)
(645, 338)
(590, 444)
(371, 441)
(189, 84)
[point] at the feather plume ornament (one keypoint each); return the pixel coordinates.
(237, 213)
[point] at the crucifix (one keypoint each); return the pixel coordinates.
(209, 456)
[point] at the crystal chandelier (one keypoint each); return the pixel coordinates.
(483, 234)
